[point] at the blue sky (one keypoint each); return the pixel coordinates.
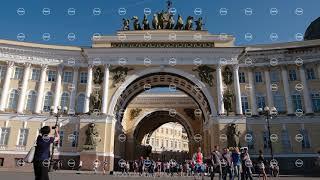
(84, 24)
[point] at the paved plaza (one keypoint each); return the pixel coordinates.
(71, 175)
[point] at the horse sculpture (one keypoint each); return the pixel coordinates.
(170, 24)
(136, 24)
(125, 24)
(189, 23)
(199, 24)
(180, 23)
(155, 22)
(145, 23)
(161, 20)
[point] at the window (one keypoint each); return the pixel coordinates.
(80, 103)
(261, 103)
(292, 75)
(315, 101)
(18, 73)
(75, 139)
(285, 140)
(157, 142)
(175, 144)
(310, 73)
(152, 141)
(61, 133)
(305, 141)
(161, 130)
(244, 103)
(2, 72)
(47, 102)
(258, 76)
(266, 140)
(1, 162)
(274, 76)
(171, 144)
(23, 137)
(31, 99)
(35, 74)
(51, 76)
(67, 77)
(251, 142)
(13, 99)
(83, 77)
(167, 143)
(167, 131)
(4, 136)
(64, 100)
(296, 100)
(162, 143)
(279, 102)
(242, 77)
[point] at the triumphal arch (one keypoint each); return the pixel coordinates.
(223, 85)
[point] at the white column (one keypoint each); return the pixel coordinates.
(306, 93)
(220, 90)
(252, 91)
(237, 89)
(105, 90)
(73, 90)
(6, 84)
(40, 93)
(23, 89)
(57, 96)
(286, 88)
(88, 90)
(268, 88)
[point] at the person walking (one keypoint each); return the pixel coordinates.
(236, 163)
(216, 163)
(42, 152)
(261, 166)
(198, 160)
(246, 165)
(227, 168)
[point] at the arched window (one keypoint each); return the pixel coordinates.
(80, 103)
(13, 99)
(31, 100)
(47, 102)
(64, 100)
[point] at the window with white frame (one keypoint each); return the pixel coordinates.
(310, 73)
(13, 99)
(315, 101)
(285, 140)
(31, 101)
(48, 99)
(296, 100)
(52, 76)
(274, 76)
(18, 73)
(279, 102)
(244, 103)
(35, 75)
(266, 140)
(61, 133)
(292, 75)
(67, 77)
(23, 137)
(80, 103)
(64, 100)
(261, 103)
(4, 135)
(75, 139)
(83, 77)
(3, 70)
(242, 77)
(305, 143)
(258, 76)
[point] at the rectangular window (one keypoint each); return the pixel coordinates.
(285, 140)
(310, 73)
(261, 103)
(35, 76)
(18, 73)
(258, 76)
(4, 136)
(305, 140)
(292, 75)
(23, 137)
(242, 77)
(2, 72)
(167, 131)
(279, 103)
(250, 141)
(315, 101)
(1, 162)
(157, 142)
(244, 103)
(75, 138)
(51, 76)
(296, 100)
(61, 133)
(266, 141)
(274, 76)
(83, 77)
(67, 77)
(167, 143)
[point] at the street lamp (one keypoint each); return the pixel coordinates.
(60, 111)
(269, 113)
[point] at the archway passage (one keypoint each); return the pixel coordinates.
(165, 79)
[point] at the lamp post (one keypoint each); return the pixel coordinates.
(57, 115)
(269, 113)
